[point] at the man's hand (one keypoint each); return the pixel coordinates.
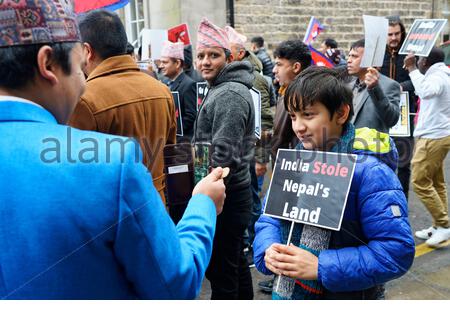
(260, 169)
(410, 63)
(213, 187)
(371, 78)
(292, 262)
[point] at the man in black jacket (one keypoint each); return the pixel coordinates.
(172, 60)
(393, 68)
(261, 53)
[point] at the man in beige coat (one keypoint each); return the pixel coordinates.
(121, 100)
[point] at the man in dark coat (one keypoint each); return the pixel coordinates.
(172, 60)
(393, 68)
(261, 53)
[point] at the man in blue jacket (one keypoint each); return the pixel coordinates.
(79, 215)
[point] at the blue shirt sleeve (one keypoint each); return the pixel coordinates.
(161, 260)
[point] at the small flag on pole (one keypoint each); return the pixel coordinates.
(319, 59)
(313, 31)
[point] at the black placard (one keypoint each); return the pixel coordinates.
(310, 187)
(176, 99)
(422, 36)
(202, 91)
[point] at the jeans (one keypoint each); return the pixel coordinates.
(228, 270)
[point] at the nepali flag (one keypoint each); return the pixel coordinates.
(82, 6)
(313, 31)
(319, 59)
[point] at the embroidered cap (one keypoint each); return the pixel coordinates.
(209, 36)
(235, 37)
(173, 50)
(24, 22)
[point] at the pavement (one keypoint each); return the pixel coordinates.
(428, 278)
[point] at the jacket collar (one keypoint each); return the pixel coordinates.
(175, 83)
(16, 109)
(113, 65)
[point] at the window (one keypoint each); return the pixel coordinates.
(136, 19)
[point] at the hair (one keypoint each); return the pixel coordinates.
(259, 41)
(188, 57)
(294, 51)
(319, 84)
(394, 21)
(130, 49)
(331, 43)
(18, 64)
(361, 43)
(104, 31)
(436, 55)
(227, 53)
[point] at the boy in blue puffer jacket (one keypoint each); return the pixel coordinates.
(375, 243)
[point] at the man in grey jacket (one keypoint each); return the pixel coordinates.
(376, 98)
(226, 119)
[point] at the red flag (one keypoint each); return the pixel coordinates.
(319, 59)
(179, 34)
(313, 31)
(82, 6)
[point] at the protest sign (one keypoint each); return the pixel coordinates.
(152, 43)
(402, 128)
(310, 187)
(179, 34)
(422, 36)
(376, 31)
(202, 91)
(176, 99)
(256, 96)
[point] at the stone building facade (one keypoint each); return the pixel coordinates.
(278, 20)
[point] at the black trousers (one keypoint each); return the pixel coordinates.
(405, 147)
(228, 270)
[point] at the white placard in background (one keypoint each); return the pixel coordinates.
(376, 31)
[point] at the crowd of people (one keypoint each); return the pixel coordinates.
(83, 208)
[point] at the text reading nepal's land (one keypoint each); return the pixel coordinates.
(314, 190)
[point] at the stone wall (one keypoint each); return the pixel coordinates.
(279, 20)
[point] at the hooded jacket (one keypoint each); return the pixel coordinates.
(375, 243)
(433, 89)
(266, 62)
(226, 119)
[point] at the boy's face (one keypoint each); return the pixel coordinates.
(210, 61)
(315, 129)
(285, 71)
